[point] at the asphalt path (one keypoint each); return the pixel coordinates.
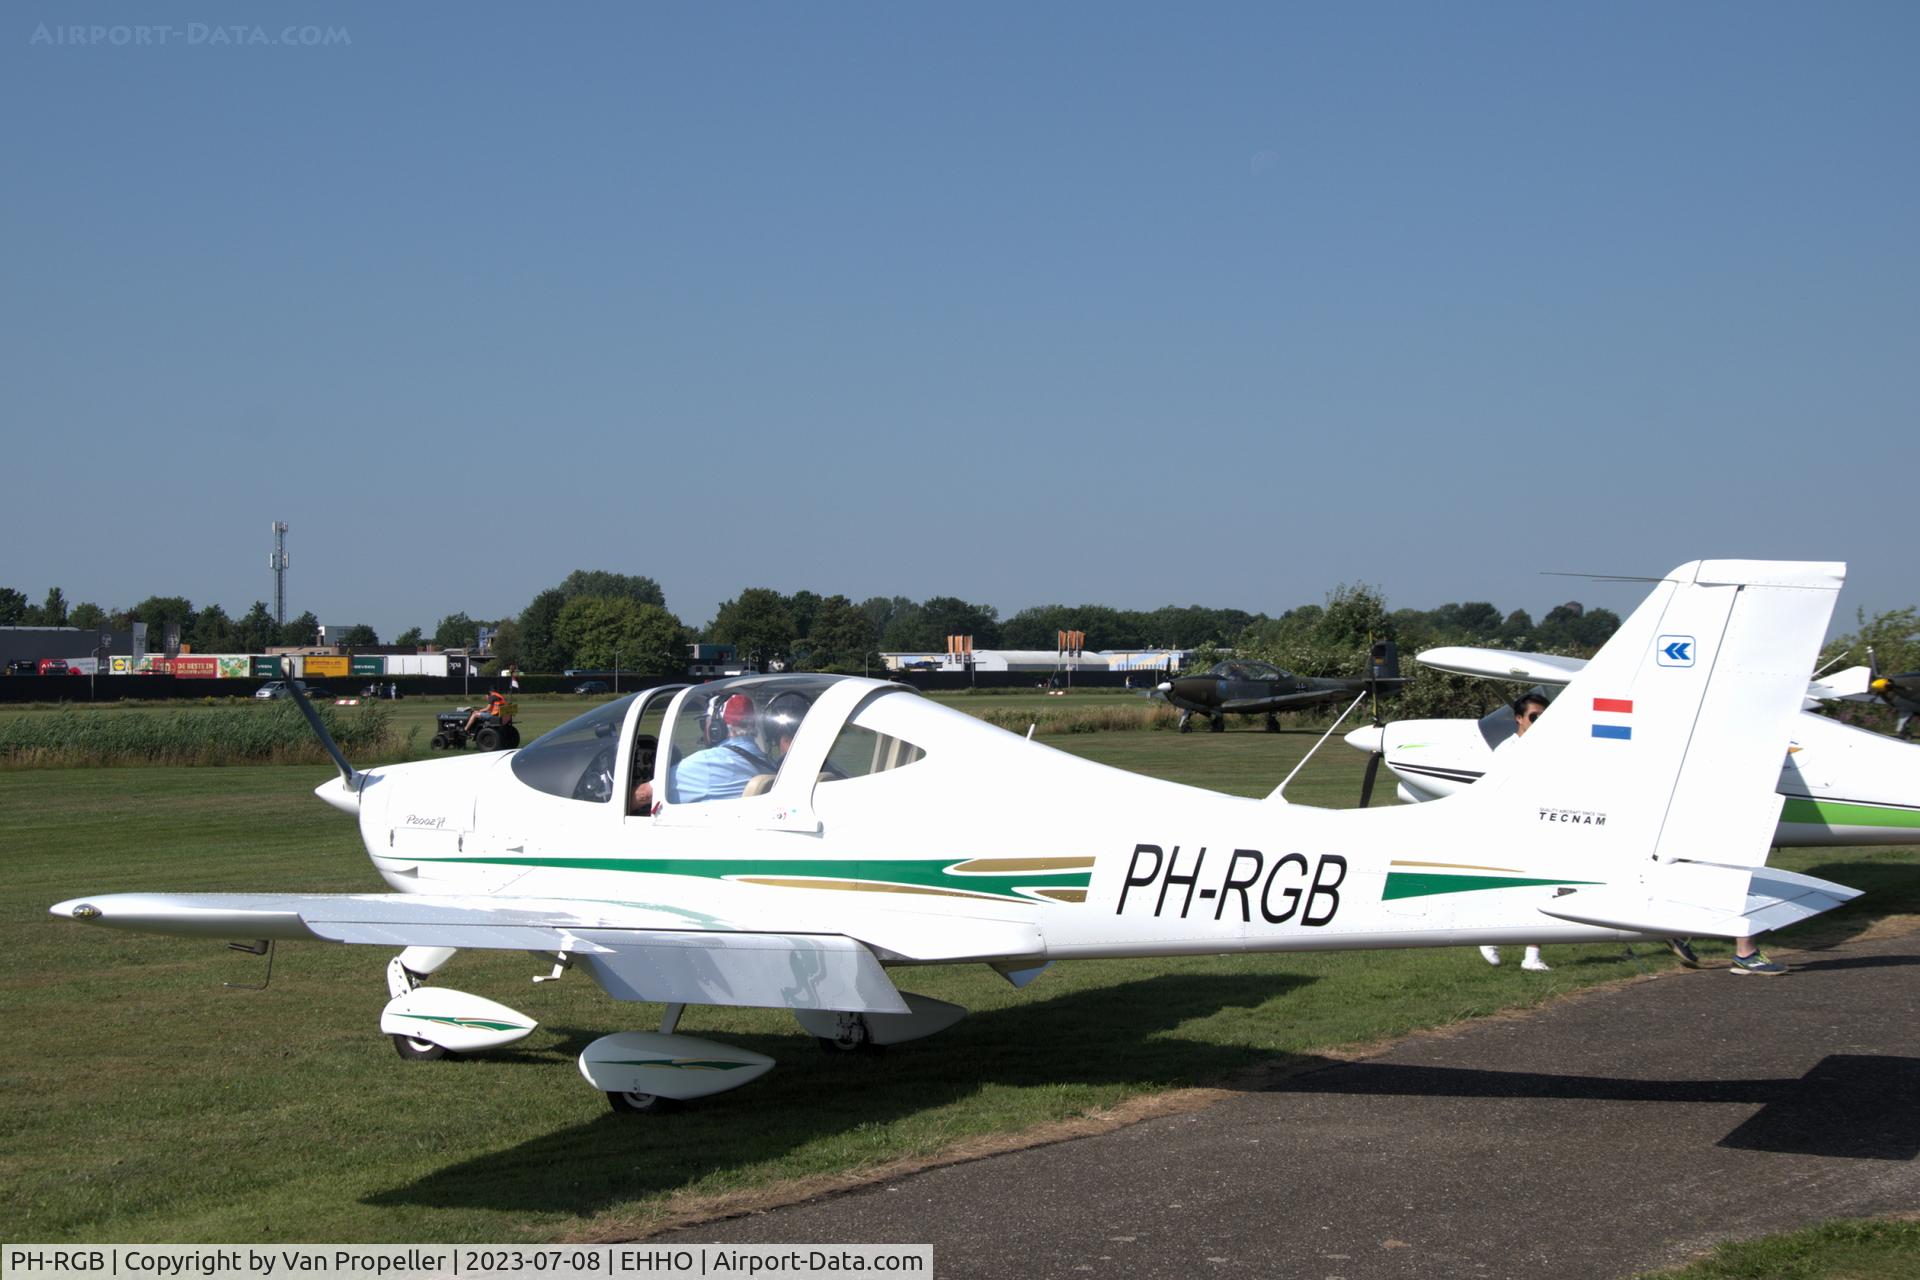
(1606, 1134)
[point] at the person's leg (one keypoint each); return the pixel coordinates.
(1748, 958)
(1534, 962)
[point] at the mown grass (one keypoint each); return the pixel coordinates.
(141, 1100)
(1849, 1249)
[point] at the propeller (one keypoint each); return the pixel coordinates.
(1901, 692)
(350, 782)
(1383, 663)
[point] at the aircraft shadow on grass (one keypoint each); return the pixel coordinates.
(1113, 1035)
(1852, 1106)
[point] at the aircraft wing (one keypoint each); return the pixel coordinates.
(1554, 671)
(635, 951)
(1504, 664)
(1282, 701)
(1851, 685)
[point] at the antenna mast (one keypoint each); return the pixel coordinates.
(278, 563)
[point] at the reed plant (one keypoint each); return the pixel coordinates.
(275, 733)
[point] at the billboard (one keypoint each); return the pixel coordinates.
(187, 667)
(232, 666)
(317, 667)
(371, 665)
(266, 668)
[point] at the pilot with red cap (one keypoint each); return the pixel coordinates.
(722, 771)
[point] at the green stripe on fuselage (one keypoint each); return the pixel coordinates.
(1421, 884)
(927, 873)
(1834, 813)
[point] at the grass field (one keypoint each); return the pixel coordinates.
(144, 1101)
(413, 719)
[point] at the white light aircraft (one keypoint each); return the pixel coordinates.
(1838, 786)
(897, 832)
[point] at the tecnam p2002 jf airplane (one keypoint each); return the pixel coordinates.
(893, 832)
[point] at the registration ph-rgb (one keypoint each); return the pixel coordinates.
(450, 1262)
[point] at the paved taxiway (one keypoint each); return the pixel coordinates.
(1606, 1134)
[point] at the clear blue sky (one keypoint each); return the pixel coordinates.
(1068, 302)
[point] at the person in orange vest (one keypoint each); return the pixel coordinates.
(497, 705)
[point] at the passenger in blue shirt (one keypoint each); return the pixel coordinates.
(722, 771)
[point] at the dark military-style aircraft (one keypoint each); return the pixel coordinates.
(1244, 687)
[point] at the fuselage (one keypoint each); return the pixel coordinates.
(1049, 855)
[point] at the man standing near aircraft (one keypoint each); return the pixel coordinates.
(1526, 709)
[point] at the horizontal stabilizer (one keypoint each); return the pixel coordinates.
(1703, 900)
(1549, 669)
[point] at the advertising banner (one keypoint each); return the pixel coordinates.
(372, 665)
(231, 666)
(266, 668)
(190, 667)
(318, 667)
(121, 666)
(139, 642)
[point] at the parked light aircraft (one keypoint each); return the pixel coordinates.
(1244, 687)
(896, 832)
(1838, 786)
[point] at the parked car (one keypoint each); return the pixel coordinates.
(278, 689)
(23, 667)
(592, 686)
(53, 666)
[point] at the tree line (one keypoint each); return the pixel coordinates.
(597, 619)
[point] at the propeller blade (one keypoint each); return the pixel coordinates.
(347, 775)
(1366, 783)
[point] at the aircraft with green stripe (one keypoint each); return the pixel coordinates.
(801, 841)
(1838, 785)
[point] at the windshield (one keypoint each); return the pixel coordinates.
(576, 760)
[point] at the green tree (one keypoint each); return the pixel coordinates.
(303, 630)
(758, 624)
(456, 631)
(256, 631)
(842, 638)
(801, 607)
(358, 636)
(214, 632)
(411, 636)
(158, 611)
(506, 645)
(880, 610)
(1568, 630)
(599, 582)
(13, 607)
(538, 649)
(948, 616)
(54, 612)
(597, 630)
(87, 616)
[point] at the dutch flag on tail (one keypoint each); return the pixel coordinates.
(1621, 707)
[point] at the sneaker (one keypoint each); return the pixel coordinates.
(1683, 952)
(1758, 963)
(1490, 954)
(1534, 964)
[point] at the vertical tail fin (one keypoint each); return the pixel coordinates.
(1674, 733)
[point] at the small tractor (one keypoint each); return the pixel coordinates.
(493, 733)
